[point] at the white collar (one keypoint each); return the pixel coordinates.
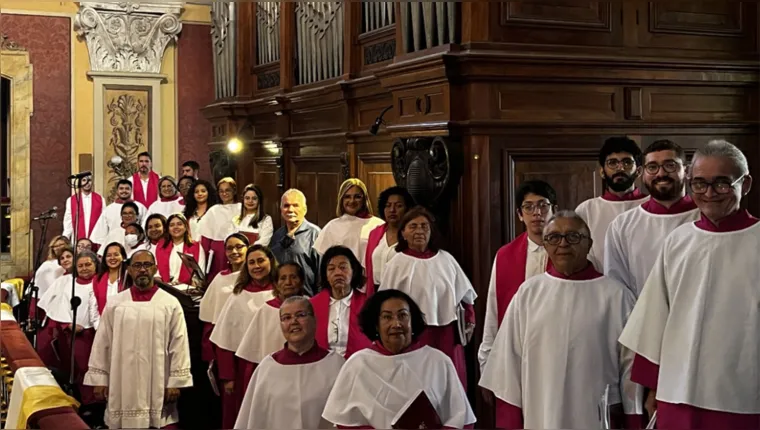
(533, 246)
(345, 300)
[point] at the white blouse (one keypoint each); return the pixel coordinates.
(337, 328)
(381, 255)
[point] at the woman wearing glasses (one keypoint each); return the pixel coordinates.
(170, 201)
(436, 282)
(556, 351)
(217, 224)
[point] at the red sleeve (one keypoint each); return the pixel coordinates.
(644, 372)
(207, 347)
(508, 417)
(225, 363)
(248, 369)
(469, 313)
(634, 422)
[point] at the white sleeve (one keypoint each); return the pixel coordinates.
(632, 394)
(68, 228)
(491, 324)
(266, 230)
(615, 261)
(201, 257)
(92, 309)
(179, 351)
(142, 216)
(99, 366)
(100, 231)
(319, 245)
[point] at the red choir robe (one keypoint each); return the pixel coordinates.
(138, 193)
(163, 254)
(356, 339)
(671, 415)
(95, 212)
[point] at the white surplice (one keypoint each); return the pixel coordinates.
(111, 219)
(217, 223)
(381, 256)
(46, 275)
(263, 335)
(293, 396)
(265, 229)
(633, 242)
(437, 284)
(57, 302)
(556, 351)
(117, 234)
(349, 231)
(598, 214)
(235, 317)
(68, 215)
(140, 350)
(372, 388)
(164, 208)
(698, 318)
(216, 296)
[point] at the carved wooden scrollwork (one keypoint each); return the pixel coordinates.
(427, 167)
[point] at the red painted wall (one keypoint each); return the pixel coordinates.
(195, 90)
(48, 41)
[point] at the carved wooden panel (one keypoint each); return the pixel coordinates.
(317, 120)
(523, 102)
(267, 176)
(376, 172)
(560, 22)
(699, 104)
(423, 104)
(702, 25)
(319, 178)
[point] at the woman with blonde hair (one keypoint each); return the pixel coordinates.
(48, 271)
(355, 220)
(218, 223)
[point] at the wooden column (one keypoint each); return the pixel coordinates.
(352, 18)
(287, 44)
(246, 47)
(475, 21)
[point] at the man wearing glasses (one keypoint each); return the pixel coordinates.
(619, 167)
(557, 351)
(520, 259)
(634, 239)
(141, 357)
(85, 212)
(694, 328)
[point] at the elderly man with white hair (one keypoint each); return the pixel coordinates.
(294, 241)
(695, 326)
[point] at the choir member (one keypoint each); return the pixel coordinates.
(171, 270)
(156, 230)
(184, 185)
(83, 244)
(60, 323)
(110, 279)
(46, 334)
(694, 328)
(381, 245)
(145, 181)
(219, 290)
(49, 270)
(620, 166)
(191, 168)
(339, 302)
(85, 212)
(198, 201)
(301, 366)
(629, 257)
(520, 259)
(377, 384)
(252, 221)
(556, 350)
(170, 202)
(111, 217)
(135, 239)
(294, 241)
(129, 214)
(141, 356)
(436, 282)
(217, 224)
(263, 337)
(253, 288)
(353, 223)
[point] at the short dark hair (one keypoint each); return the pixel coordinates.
(539, 188)
(411, 214)
(129, 205)
(124, 182)
(369, 316)
(192, 164)
(140, 230)
(386, 194)
(239, 236)
(357, 271)
(665, 145)
(299, 270)
(145, 154)
(619, 144)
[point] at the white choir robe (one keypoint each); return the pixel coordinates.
(598, 214)
(117, 234)
(216, 296)
(235, 317)
(217, 223)
(141, 349)
(46, 276)
(289, 396)
(633, 241)
(381, 256)
(165, 208)
(195, 227)
(263, 335)
(373, 387)
(349, 231)
(111, 219)
(556, 351)
(265, 229)
(68, 215)
(144, 246)
(57, 302)
(698, 318)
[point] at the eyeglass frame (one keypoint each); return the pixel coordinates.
(142, 266)
(662, 166)
(566, 238)
(544, 206)
(300, 315)
(618, 163)
(709, 185)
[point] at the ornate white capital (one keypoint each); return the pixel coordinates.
(128, 37)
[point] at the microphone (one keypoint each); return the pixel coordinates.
(46, 216)
(81, 175)
(379, 121)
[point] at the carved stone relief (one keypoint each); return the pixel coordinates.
(127, 133)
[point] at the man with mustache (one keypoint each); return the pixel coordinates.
(619, 167)
(145, 181)
(111, 218)
(634, 239)
(694, 328)
(85, 212)
(141, 357)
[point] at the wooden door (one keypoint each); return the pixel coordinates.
(375, 171)
(266, 175)
(319, 178)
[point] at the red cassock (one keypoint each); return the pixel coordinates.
(356, 339)
(511, 260)
(163, 254)
(138, 193)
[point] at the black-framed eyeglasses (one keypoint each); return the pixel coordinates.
(669, 166)
(720, 186)
(614, 163)
(530, 208)
(142, 266)
(572, 238)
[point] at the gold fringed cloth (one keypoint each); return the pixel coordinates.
(34, 390)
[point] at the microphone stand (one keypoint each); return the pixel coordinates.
(32, 327)
(75, 301)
